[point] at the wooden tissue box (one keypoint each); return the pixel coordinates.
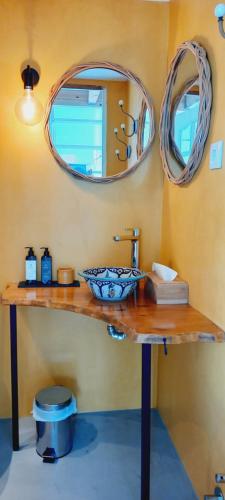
(167, 292)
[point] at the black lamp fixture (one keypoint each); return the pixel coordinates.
(28, 108)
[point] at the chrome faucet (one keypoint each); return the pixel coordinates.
(134, 237)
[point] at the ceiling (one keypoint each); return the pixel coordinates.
(101, 74)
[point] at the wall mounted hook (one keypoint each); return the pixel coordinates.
(134, 122)
(128, 154)
(128, 149)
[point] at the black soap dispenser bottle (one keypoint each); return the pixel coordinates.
(31, 266)
(46, 267)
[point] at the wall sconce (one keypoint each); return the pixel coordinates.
(28, 108)
(219, 13)
(134, 122)
(128, 149)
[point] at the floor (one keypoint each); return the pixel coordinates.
(104, 463)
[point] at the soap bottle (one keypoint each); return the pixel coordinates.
(31, 266)
(46, 267)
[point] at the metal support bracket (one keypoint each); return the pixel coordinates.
(146, 422)
(14, 378)
(165, 346)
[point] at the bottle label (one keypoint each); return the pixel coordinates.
(46, 270)
(31, 270)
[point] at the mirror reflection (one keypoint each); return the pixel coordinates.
(95, 122)
(146, 129)
(185, 121)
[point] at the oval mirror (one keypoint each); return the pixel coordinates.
(186, 111)
(99, 122)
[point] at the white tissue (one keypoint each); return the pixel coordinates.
(164, 272)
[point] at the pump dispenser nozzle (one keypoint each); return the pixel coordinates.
(46, 251)
(31, 251)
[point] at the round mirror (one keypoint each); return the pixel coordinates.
(185, 115)
(99, 122)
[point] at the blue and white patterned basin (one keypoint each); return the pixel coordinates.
(112, 283)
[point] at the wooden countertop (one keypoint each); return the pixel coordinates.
(139, 317)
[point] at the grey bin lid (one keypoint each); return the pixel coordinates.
(53, 398)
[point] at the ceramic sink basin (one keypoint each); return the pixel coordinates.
(112, 283)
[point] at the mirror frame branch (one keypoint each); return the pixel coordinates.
(205, 92)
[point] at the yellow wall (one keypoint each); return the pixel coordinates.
(116, 90)
(40, 204)
(191, 393)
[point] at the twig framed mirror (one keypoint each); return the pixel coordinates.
(99, 122)
(185, 113)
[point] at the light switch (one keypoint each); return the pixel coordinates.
(216, 155)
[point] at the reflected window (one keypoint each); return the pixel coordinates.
(147, 129)
(186, 122)
(78, 129)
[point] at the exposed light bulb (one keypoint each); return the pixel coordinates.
(220, 10)
(28, 108)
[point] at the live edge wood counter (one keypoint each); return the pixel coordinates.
(138, 317)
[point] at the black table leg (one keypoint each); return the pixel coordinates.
(14, 378)
(146, 422)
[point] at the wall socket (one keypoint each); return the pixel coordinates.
(220, 478)
(216, 155)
